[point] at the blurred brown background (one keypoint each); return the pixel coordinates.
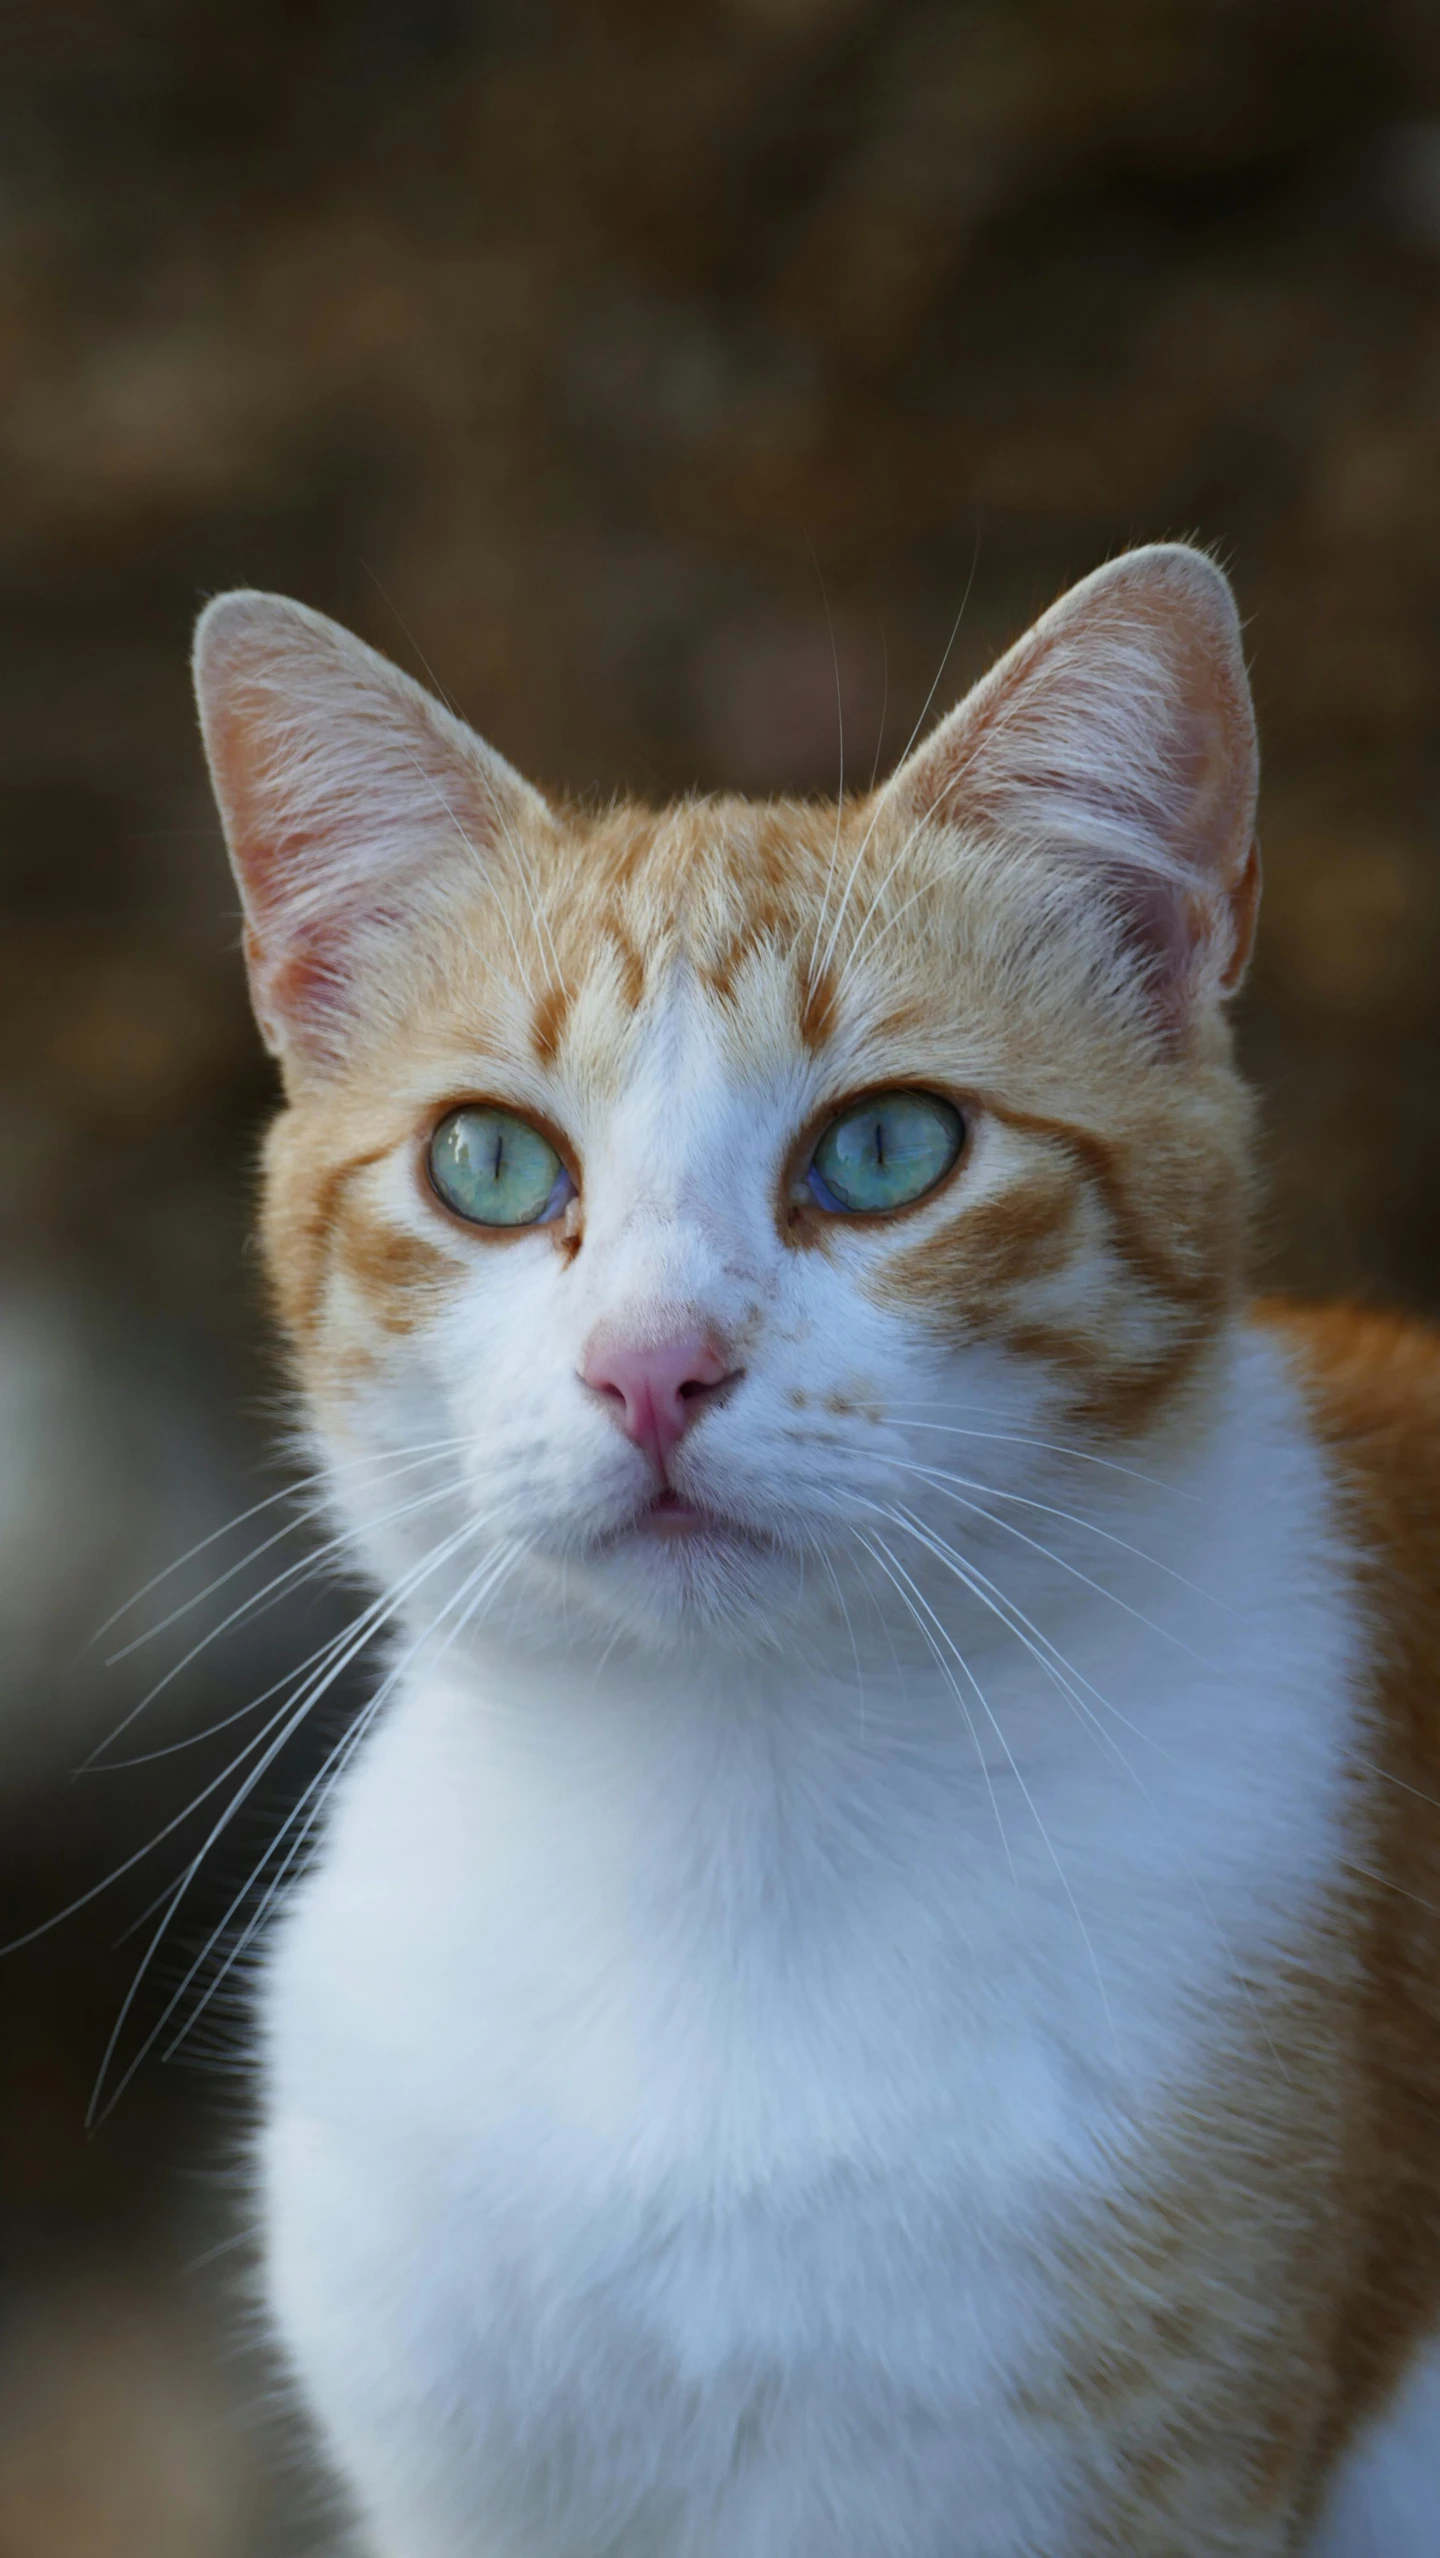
(598, 358)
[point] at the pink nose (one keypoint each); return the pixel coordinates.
(655, 1394)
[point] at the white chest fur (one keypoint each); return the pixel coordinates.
(678, 2083)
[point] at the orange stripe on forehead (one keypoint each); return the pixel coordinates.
(632, 965)
(721, 966)
(547, 1026)
(724, 874)
(818, 1007)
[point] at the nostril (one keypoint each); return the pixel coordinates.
(656, 1390)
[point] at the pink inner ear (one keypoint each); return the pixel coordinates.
(1119, 732)
(1160, 919)
(300, 983)
(344, 788)
(274, 865)
(303, 971)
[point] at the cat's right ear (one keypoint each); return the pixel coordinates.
(347, 794)
(1118, 738)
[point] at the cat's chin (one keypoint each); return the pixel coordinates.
(678, 1567)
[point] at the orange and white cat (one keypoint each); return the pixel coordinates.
(870, 1986)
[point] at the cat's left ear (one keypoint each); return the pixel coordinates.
(1119, 736)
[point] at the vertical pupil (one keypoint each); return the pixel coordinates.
(497, 1160)
(880, 1143)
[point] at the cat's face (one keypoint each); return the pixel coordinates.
(661, 1199)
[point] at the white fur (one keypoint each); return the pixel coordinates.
(711, 2013)
(1386, 2502)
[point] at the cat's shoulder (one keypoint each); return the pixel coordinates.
(1371, 1386)
(1370, 1382)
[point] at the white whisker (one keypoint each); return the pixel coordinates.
(369, 1619)
(849, 1628)
(840, 787)
(1055, 1447)
(884, 706)
(312, 1801)
(880, 1553)
(1050, 1848)
(96, 1766)
(1008, 1528)
(817, 972)
(1091, 1527)
(1062, 1674)
(307, 1568)
(287, 1492)
(289, 1720)
(304, 1518)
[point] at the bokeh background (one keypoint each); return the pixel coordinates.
(605, 359)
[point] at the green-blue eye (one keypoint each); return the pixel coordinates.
(884, 1152)
(495, 1169)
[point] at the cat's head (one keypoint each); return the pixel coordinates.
(652, 1188)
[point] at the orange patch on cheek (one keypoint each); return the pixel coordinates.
(1000, 1244)
(398, 1274)
(1177, 1231)
(1115, 1400)
(303, 1207)
(349, 1369)
(969, 1279)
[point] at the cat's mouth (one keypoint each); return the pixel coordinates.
(671, 1515)
(672, 1518)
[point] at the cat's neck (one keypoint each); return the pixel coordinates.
(1169, 1774)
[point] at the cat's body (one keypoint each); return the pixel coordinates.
(881, 2000)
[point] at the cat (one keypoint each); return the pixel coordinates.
(869, 1986)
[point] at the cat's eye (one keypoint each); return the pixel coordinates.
(885, 1152)
(494, 1169)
